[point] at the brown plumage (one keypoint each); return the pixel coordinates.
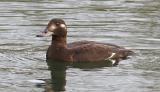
(82, 51)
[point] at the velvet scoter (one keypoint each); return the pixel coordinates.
(81, 51)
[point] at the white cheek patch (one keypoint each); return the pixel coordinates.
(63, 26)
(53, 27)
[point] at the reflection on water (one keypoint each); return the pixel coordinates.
(58, 76)
(58, 72)
(133, 24)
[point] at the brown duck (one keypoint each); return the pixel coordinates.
(81, 51)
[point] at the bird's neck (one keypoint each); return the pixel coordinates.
(60, 41)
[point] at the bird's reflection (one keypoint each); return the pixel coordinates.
(58, 76)
(58, 73)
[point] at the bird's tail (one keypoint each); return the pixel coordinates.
(124, 53)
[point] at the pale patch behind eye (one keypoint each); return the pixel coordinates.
(63, 26)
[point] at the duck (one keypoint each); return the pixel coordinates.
(80, 51)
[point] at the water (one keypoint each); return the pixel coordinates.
(133, 24)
